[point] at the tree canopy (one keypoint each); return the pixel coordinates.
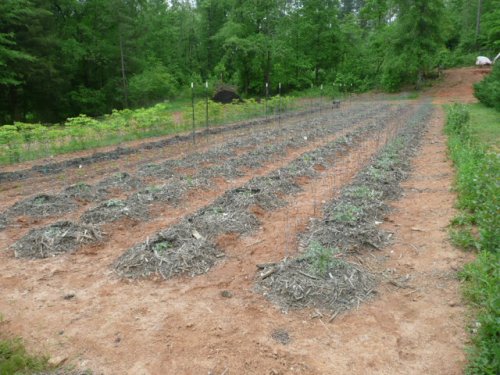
(60, 58)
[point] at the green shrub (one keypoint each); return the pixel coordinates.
(10, 142)
(488, 90)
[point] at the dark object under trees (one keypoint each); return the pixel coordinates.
(226, 94)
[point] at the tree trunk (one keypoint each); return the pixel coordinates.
(478, 19)
(124, 74)
(14, 104)
(267, 72)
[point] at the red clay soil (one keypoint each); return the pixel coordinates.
(457, 85)
(189, 326)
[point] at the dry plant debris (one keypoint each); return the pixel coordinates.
(56, 239)
(42, 205)
(121, 181)
(227, 214)
(178, 250)
(84, 192)
(116, 209)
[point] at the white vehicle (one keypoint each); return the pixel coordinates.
(482, 61)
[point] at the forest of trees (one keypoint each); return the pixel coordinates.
(59, 58)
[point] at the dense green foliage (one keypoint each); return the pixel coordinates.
(62, 58)
(478, 189)
(488, 90)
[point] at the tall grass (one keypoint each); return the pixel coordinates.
(478, 227)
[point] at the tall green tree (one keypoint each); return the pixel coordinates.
(416, 37)
(20, 25)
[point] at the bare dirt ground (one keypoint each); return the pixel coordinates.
(457, 85)
(76, 309)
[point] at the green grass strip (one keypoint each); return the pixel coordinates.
(477, 227)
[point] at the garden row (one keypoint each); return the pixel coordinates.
(322, 276)
(189, 247)
(202, 163)
(67, 236)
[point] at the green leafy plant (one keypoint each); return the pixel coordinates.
(162, 247)
(347, 213)
(463, 237)
(321, 258)
(363, 192)
(482, 288)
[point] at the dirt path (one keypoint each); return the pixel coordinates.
(216, 324)
(457, 85)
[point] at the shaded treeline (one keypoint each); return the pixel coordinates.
(59, 58)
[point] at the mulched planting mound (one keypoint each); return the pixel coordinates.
(170, 192)
(116, 209)
(218, 219)
(351, 221)
(295, 284)
(226, 170)
(256, 158)
(56, 239)
(84, 192)
(322, 277)
(4, 221)
(178, 250)
(214, 154)
(120, 181)
(42, 205)
(164, 170)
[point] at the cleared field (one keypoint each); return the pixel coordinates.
(198, 249)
